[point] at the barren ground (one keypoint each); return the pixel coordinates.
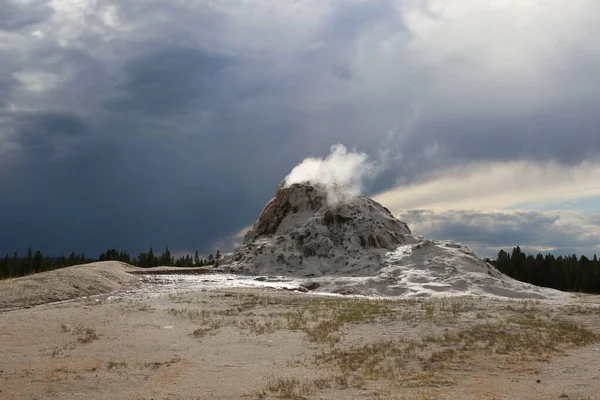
(261, 343)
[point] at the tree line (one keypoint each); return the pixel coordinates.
(31, 263)
(567, 273)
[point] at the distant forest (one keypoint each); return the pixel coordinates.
(31, 263)
(569, 273)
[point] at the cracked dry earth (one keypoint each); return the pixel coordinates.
(261, 343)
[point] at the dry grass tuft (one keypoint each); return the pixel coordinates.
(192, 315)
(260, 327)
(158, 364)
(115, 364)
(292, 388)
(89, 335)
(357, 364)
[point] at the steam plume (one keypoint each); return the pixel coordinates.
(350, 169)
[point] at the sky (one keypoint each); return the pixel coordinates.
(133, 124)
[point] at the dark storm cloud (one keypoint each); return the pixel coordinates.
(86, 203)
(568, 134)
(44, 135)
(33, 127)
(16, 16)
(6, 86)
(170, 81)
(171, 123)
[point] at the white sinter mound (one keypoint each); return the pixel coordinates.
(337, 242)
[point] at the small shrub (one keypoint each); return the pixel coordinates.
(89, 335)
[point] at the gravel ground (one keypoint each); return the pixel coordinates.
(153, 340)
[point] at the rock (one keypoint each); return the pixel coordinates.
(314, 230)
(311, 285)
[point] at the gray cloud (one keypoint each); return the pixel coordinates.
(171, 123)
(170, 81)
(18, 16)
(487, 232)
(351, 18)
(43, 136)
(6, 85)
(567, 134)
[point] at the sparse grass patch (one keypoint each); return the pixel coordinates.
(209, 330)
(158, 364)
(482, 315)
(209, 325)
(88, 335)
(132, 305)
(192, 315)
(518, 340)
(55, 351)
(526, 335)
(443, 356)
(179, 298)
(115, 364)
(287, 388)
(260, 327)
(249, 301)
(524, 306)
(429, 378)
(321, 319)
(446, 309)
(383, 360)
(292, 388)
(576, 309)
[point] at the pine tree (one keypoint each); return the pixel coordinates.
(166, 258)
(5, 271)
(48, 264)
(72, 259)
(502, 261)
(38, 261)
(62, 262)
(151, 258)
(27, 263)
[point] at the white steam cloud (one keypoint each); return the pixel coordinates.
(342, 167)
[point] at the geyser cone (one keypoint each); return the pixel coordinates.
(308, 211)
(349, 243)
